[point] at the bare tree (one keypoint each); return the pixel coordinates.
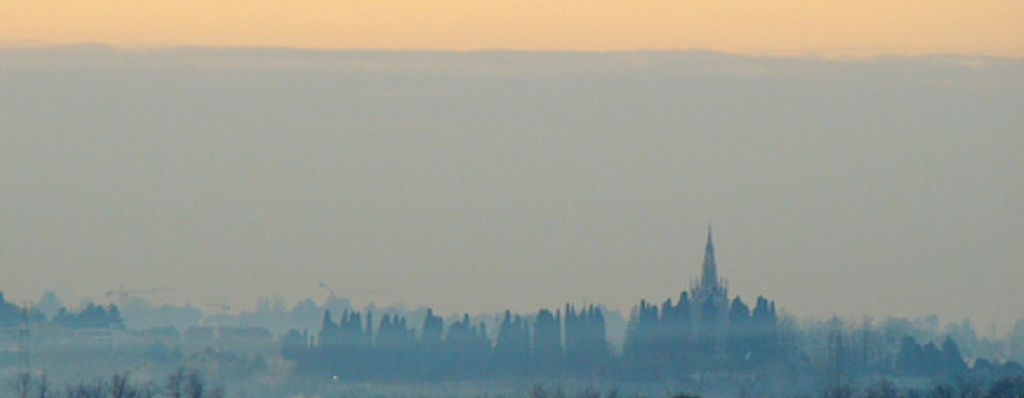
(588, 392)
(147, 390)
(537, 391)
(22, 384)
(180, 384)
(43, 386)
(195, 386)
(176, 383)
(119, 386)
(96, 389)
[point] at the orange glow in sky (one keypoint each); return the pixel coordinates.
(861, 27)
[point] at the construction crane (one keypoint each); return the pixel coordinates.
(324, 285)
(333, 293)
(123, 294)
(222, 306)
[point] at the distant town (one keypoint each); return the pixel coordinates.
(705, 338)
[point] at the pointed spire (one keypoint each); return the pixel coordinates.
(709, 275)
(709, 247)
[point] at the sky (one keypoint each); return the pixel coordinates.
(480, 181)
(856, 158)
(818, 27)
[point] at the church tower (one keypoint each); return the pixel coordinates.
(710, 291)
(709, 307)
(709, 274)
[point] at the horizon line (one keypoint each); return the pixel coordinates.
(824, 54)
